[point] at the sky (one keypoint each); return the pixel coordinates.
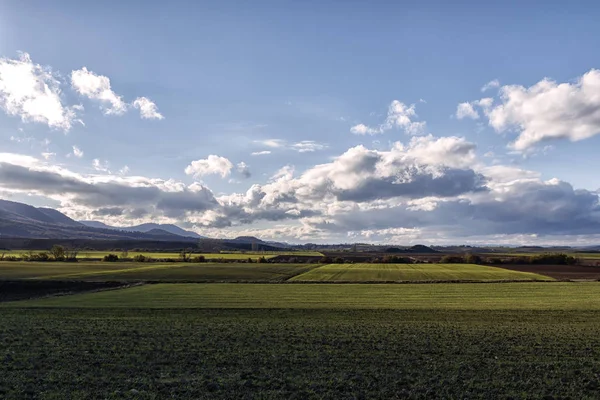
(315, 121)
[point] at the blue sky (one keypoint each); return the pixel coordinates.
(235, 78)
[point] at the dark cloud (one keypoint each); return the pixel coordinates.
(453, 182)
(107, 195)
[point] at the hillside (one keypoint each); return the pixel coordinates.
(170, 228)
(19, 220)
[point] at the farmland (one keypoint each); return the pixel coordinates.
(528, 347)
(251, 330)
(412, 272)
(193, 272)
(244, 272)
(91, 254)
(492, 296)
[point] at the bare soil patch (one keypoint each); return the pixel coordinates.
(23, 290)
(562, 272)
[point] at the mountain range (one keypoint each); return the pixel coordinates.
(19, 220)
(174, 229)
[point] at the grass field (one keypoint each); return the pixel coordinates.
(412, 272)
(104, 271)
(460, 296)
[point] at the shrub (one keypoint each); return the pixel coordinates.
(473, 259)
(338, 260)
(396, 260)
(326, 260)
(199, 259)
(262, 260)
(452, 259)
(140, 258)
(110, 258)
(37, 257)
(555, 259)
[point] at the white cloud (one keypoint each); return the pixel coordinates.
(211, 165)
(101, 166)
(547, 110)
(493, 84)
(303, 146)
(124, 171)
(306, 146)
(466, 110)
(148, 109)
(47, 155)
(399, 116)
(32, 92)
(77, 152)
(97, 87)
(244, 170)
(273, 143)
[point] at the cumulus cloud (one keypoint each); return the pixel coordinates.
(97, 87)
(547, 110)
(399, 116)
(32, 92)
(80, 195)
(77, 152)
(148, 110)
(493, 84)
(466, 110)
(211, 165)
(124, 170)
(429, 189)
(101, 166)
(243, 170)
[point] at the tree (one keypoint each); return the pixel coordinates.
(58, 252)
(71, 254)
(472, 259)
(185, 255)
(111, 258)
(125, 254)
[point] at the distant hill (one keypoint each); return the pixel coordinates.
(419, 248)
(35, 214)
(19, 220)
(170, 228)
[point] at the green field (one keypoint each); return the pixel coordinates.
(459, 296)
(172, 272)
(412, 272)
(436, 352)
(298, 354)
(243, 272)
(296, 340)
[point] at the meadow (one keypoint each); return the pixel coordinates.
(255, 272)
(456, 296)
(412, 272)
